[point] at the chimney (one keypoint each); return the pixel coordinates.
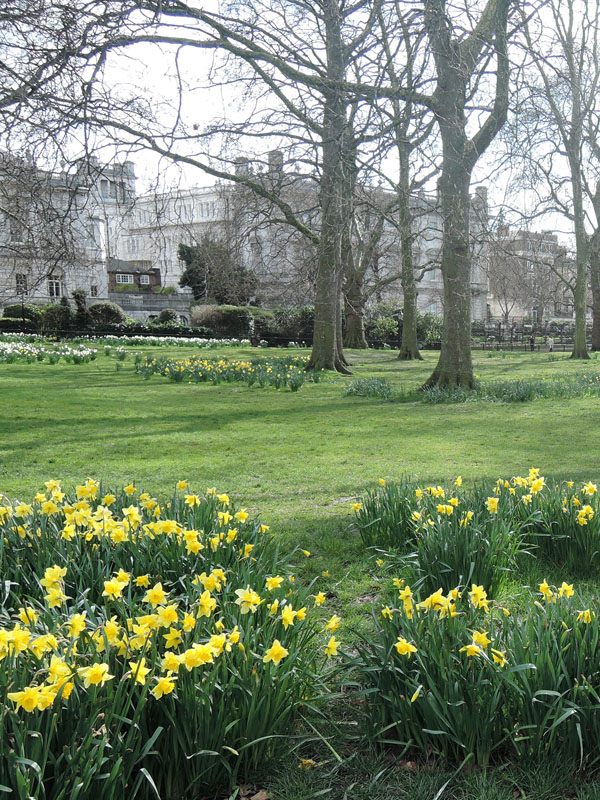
(481, 194)
(242, 166)
(275, 161)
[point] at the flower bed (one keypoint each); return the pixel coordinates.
(287, 372)
(146, 648)
(27, 352)
(458, 675)
(452, 534)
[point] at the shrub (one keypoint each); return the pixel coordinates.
(83, 319)
(22, 311)
(14, 325)
(127, 288)
(167, 315)
(58, 317)
(429, 328)
(227, 321)
(107, 313)
(382, 330)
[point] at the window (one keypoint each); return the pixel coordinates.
(93, 291)
(17, 231)
(54, 287)
(123, 278)
(144, 280)
(21, 283)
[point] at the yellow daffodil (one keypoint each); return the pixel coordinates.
(275, 653)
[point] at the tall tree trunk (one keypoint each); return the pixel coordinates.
(580, 350)
(455, 367)
(409, 347)
(327, 350)
(354, 307)
(595, 282)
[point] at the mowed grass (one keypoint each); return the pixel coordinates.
(300, 459)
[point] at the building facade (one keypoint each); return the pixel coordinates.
(529, 276)
(88, 229)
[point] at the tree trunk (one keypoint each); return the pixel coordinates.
(327, 350)
(595, 282)
(354, 307)
(455, 367)
(580, 350)
(409, 347)
(355, 328)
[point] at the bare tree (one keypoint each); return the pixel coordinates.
(559, 95)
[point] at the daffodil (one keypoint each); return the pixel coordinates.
(331, 647)
(95, 675)
(276, 653)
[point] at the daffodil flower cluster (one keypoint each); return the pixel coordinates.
(451, 531)
(121, 605)
(287, 372)
(456, 672)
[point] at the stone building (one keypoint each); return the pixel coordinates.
(58, 229)
(88, 229)
(528, 274)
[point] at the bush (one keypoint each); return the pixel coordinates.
(383, 330)
(24, 311)
(83, 319)
(18, 325)
(58, 317)
(429, 328)
(282, 326)
(107, 313)
(127, 288)
(167, 315)
(227, 321)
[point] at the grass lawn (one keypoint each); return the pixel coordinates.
(300, 459)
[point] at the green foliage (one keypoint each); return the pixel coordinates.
(24, 311)
(457, 535)
(82, 319)
(384, 518)
(127, 288)
(567, 525)
(58, 317)
(226, 321)
(18, 325)
(169, 290)
(107, 313)
(212, 271)
(229, 709)
(519, 390)
(167, 315)
(383, 330)
(429, 328)
(464, 678)
(369, 387)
